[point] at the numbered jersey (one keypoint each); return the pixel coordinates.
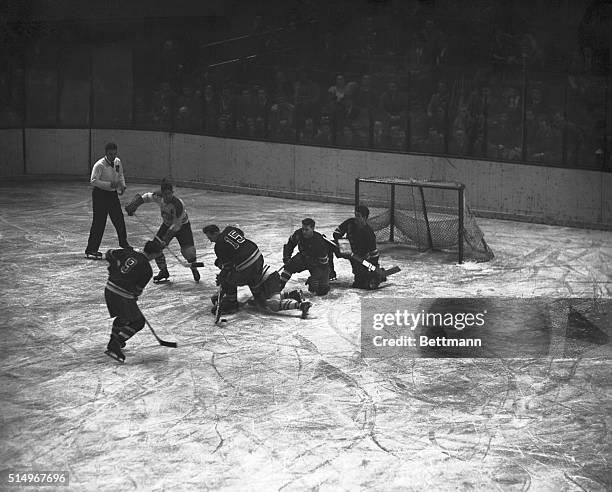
(234, 251)
(129, 272)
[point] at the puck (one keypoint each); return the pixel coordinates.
(223, 320)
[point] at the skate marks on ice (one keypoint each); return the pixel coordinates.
(288, 403)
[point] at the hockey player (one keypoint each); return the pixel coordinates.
(312, 256)
(363, 243)
(241, 263)
(129, 272)
(175, 224)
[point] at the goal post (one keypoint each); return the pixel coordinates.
(428, 215)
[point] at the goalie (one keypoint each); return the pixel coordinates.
(362, 243)
(175, 224)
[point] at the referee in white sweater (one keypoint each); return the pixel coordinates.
(107, 180)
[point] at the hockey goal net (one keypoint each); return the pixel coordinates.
(423, 214)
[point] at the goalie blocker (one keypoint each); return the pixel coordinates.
(343, 250)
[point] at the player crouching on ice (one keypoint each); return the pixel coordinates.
(241, 263)
(361, 250)
(312, 256)
(129, 273)
(175, 224)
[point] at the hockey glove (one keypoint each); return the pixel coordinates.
(222, 276)
(136, 202)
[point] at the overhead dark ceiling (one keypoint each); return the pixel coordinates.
(100, 10)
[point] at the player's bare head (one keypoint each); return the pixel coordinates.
(212, 232)
(110, 150)
(308, 226)
(152, 249)
(167, 190)
(362, 213)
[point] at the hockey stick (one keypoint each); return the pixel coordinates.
(218, 306)
(161, 342)
(365, 263)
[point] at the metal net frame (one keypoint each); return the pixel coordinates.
(428, 215)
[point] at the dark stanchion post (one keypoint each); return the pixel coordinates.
(392, 215)
(524, 111)
(426, 217)
(356, 192)
(460, 226)
(24, 111)
(605, 165)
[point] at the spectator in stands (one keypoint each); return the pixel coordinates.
(163, 106)
(186, 115)
(210, 109)
(284, 131)
(281, 117)
(432, 38)
(324, 136)
(439, 99)
(339, 90)
(503, 139)
(435, 142)
(398, 138)
(438, 120)
(262, 111)
(245, 107)
(366, 96)
(572, 137)
(477, 137)
(459, 143)
(511, 105)
(535, 102)
(547, 143)
(463, 121)
(306, 96)
(393, 106)
(227, 108)
(308, 132)
(479, 101)
(380, 138)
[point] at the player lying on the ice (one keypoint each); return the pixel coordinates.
(175, 224)
(312, 256)
(241, 263)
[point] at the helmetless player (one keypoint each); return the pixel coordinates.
(363, 243)
(241, 263)
(175, 224)
(129, 273)
(312, 256)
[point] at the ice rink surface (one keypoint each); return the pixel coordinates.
(273, 402)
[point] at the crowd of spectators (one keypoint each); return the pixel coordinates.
(385, 75)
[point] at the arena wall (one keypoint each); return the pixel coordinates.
(550, 195)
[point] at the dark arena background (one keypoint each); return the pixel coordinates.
(263, 113)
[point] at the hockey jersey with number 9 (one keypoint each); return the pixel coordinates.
(174, 214)
(129, 272)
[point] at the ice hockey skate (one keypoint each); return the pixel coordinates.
(94, 255)
(113, 350)
(162, 276)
